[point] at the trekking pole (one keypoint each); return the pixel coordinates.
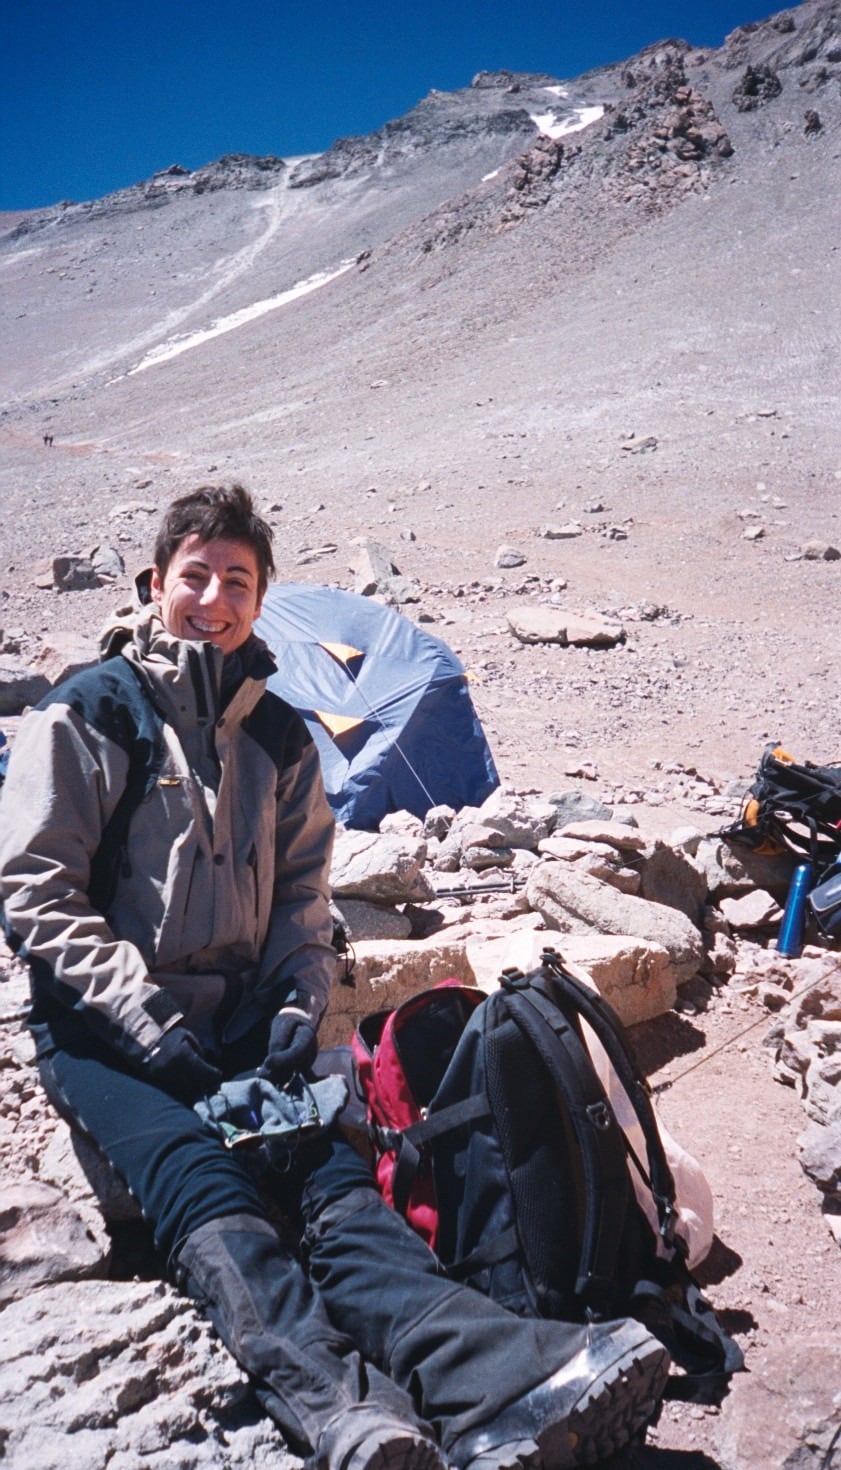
(475, 889)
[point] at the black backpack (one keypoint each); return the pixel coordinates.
(496, 1139)
(791, 807)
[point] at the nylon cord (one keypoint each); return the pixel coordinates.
(723, 1045)
(394, 741)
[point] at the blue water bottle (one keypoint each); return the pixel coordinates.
(790, 940)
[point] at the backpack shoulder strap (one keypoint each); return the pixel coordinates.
(606, 1025)
(142, 737)
(682, 1319)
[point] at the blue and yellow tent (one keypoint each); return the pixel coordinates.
(387, 704)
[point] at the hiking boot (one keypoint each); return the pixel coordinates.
(584, 1412)
(367, 1438)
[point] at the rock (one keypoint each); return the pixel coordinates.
(20, 687)
(806, 1037)
(755, 910)
(519, 821)
(819, 551)
(376, 574)
(820, 1153)
(552, 625)
(786, 1411)
(73, 574)
(600, 859)
(386, 869)
(438, 821)
(482, 847)
(605, 863)
(733, 869)
(582, 770)
(812, 124)
(42, 1239)
(671, 878)
(645, 445)
(64, 654)
(758, 85)
(576, 806)
(635, 976)
(753, 533)
(509, 556)
(372, 921)
(388, 972)
(124, 1373)
(576, 903)
(567, 532)
(402, 824)
(131, 508)
(107, 564)
(614, 834)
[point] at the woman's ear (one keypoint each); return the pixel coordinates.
(156, 585)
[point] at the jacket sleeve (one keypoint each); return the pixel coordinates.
(298, 962)
(63, 783)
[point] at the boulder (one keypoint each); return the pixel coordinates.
(376, 575)
(387, 973)
(733, 869)
(635, 977)
(20, 686)
(64, 654)
(124, 1373)
(575, 805)
(508, 557)
(754, 910)
(520, 821)
(820, 1153)
(43, 1239)
(669, 877)
(613, 834)
(820, 551)
(372, 921)
(575, 903)
(380, 868)
(552, 625)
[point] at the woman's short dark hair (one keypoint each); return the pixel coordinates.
(216, 513)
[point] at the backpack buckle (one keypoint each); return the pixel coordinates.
(600, 1115)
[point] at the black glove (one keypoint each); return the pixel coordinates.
(293, 1047)
(178, 1066)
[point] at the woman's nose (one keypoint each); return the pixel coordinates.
(212, 591)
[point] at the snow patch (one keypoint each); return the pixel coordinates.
(176, 345)
(558, 127)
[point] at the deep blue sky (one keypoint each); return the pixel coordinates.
(96, 94)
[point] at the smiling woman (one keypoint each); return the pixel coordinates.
(212, 563)
(210, 591)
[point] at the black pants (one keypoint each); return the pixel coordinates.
(370, 1279)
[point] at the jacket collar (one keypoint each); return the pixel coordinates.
(190, 682)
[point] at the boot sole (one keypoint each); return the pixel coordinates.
(395, 1451)
(608, 1414)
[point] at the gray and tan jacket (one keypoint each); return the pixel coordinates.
(220, 892)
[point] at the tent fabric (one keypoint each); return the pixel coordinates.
(386, 703)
